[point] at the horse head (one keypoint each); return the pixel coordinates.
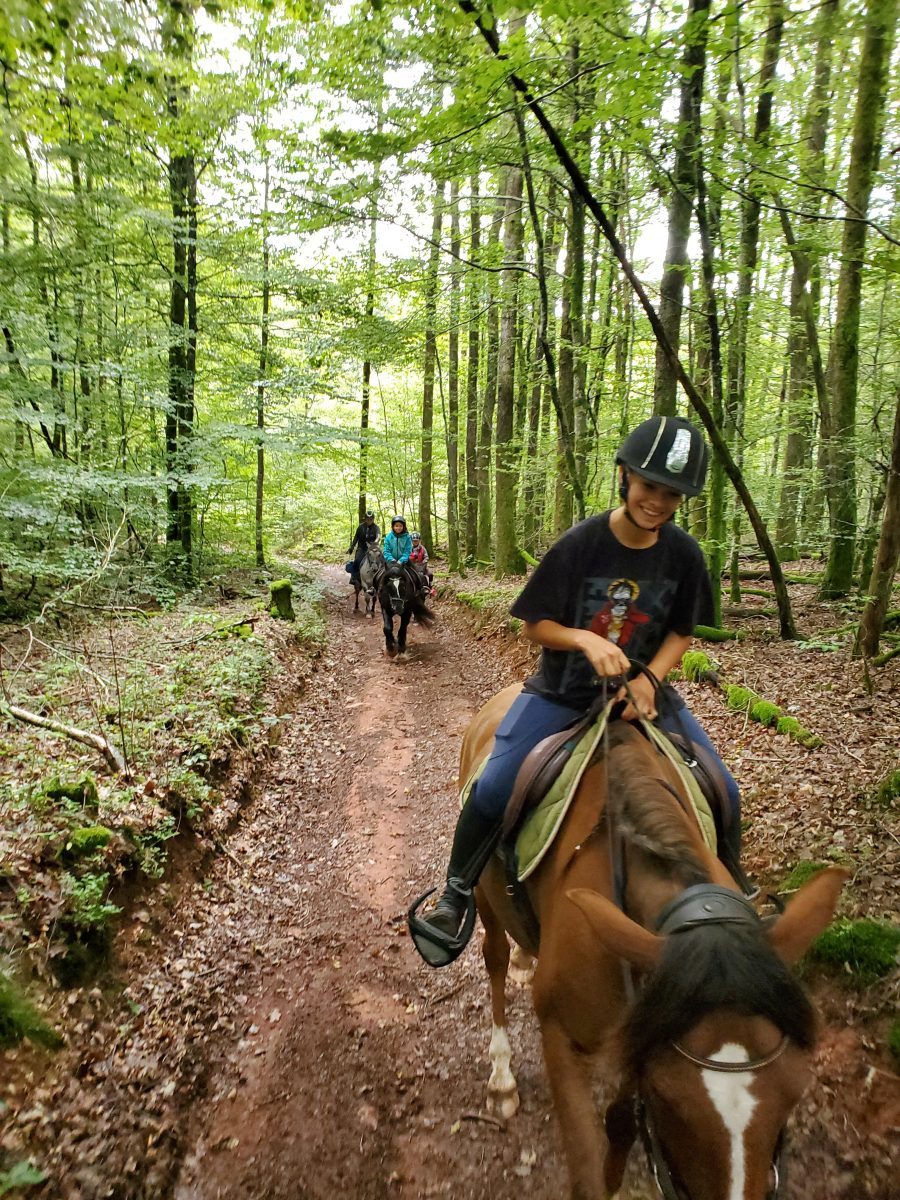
(395, 586)
(717, 1045)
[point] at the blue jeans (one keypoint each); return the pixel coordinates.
(532, 718)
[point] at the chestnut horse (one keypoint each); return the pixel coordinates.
(706, 1032)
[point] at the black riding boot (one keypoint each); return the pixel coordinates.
(473, 844)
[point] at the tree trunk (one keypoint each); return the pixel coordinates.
(844, 357)
(508, 559)
(261, 385)
(427, 458)
(453, 387)
(887, 557)
(675, 268)
(362, 500)
(484, 551)
(179, 33)
(472, 363)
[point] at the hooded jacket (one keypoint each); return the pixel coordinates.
(397, 549)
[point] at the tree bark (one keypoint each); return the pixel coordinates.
(427, 456)
(844, 356)
(676, 265)
(887, 556)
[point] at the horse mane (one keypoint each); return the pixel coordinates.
(711, 967)
(644, 809)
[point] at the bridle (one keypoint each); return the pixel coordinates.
(701, 904)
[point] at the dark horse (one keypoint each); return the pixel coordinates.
(711, 1035)
(399, 597)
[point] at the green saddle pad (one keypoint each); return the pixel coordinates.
(543, 822)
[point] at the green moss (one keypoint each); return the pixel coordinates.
(19, 1019)
(894, 1040)
(765, 712)
(802, 873)
(709, 634)
(695, 664)
(20, 1175)
(484, 598)
(811, 741)
(88, 840)
(739, 698)
(888, 790)
(789, 726)
(280, 600)
(866, 950)
(80, 792)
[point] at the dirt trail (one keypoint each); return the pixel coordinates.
(354, 1071)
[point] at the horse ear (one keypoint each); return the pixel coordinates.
(807, 914)
(617, 932)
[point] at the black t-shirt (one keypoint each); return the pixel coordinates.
(589, 580)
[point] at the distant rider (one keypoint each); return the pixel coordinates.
(418, 556)
(367, 532)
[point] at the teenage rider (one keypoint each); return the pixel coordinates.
(627, 583)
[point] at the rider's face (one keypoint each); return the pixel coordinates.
(650, 504)
(397, 527)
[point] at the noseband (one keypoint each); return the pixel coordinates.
(704, 903)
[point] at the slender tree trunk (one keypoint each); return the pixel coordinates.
(484, 551)
(362, 501)
(844, 357)
(261, 385)
(508, 559)
(453, 387)
(431, 283)
(887, 556)
(675, 268)
(473, 300)
(179, 31)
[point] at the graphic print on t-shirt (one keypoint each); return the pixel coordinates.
(632, 613)
(620, 615)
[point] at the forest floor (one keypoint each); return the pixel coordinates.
(269, 1033)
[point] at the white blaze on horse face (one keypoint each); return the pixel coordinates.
(732, 1098)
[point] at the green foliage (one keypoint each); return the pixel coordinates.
(888, 790)
(866, 950)
(801, 874)
(19, 1019)
(20, 1175)
(88, 910)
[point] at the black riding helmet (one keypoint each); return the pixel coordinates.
(402, 521)
(667, 450)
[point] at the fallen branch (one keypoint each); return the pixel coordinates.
(485, 1117)
(217, 632)
(106, 748)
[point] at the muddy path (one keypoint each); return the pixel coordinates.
(274, 1036)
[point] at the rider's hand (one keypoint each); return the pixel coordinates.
(604, 656)
(644, 703)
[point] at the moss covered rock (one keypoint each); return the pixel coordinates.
(19, 1019)
(80, 792)
(866, 950)
(888, 791)
(88, 840)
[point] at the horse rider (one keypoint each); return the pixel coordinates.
(418, 556)
(367, 532)
(627, 583)
(398, 545)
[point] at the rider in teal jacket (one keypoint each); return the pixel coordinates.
(398, 544)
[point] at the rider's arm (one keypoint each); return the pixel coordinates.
(667, 657)
(604, 656)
